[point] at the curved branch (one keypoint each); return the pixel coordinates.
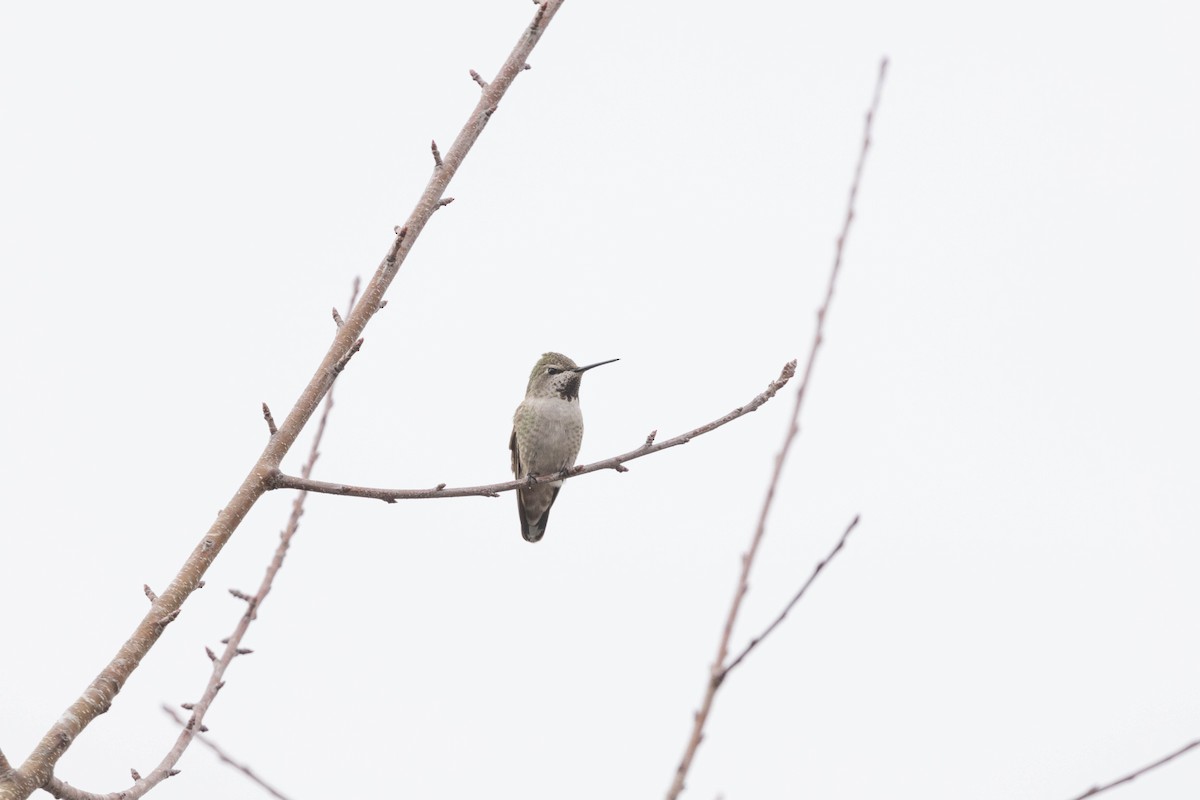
(38, 768)
(280, 480)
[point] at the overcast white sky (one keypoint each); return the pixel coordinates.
(1008, 394)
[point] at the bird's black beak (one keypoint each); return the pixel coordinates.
(597, 364)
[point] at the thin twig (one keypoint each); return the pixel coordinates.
(344, 360)
(717, 670)
(475, 76)
(1095, 790)
(437, 154)
(791, 604)
(221, 754)
(282, 481)
(267, 411)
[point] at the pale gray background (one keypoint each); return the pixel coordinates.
(1009, 393)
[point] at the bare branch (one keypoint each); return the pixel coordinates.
(476, 77)
(150, 595)
(795, 599)
(283, 481)
(1095, 790)
(221, 754)
(233, 648)
(718, 669)
(437, 154)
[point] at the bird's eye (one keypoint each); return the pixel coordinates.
(553, 370)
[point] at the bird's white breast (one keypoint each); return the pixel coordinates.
(549, 432)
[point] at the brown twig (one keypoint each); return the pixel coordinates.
(394, 251)
(1095, 790)
(221, 754)
(267, 411)
(344, 360)
(475, 76)
(283, 481)
(437, 154)
(233, 648)
(718, 669)
(791, 604)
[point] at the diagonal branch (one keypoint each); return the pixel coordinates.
(221, 754)
(718, 670)
(195, 724)
(1137, 773)
(98, 697)
(281, 481)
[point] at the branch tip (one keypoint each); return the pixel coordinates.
(149, 592)
(437, 154)
(475, 76)
(211, 655)
(337, 318)
(445, 201)
(267, 410)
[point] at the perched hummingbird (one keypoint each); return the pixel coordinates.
(547, 430)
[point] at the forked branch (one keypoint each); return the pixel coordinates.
(718, 670)
(37, 770)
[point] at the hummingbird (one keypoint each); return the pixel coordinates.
(547, 431)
